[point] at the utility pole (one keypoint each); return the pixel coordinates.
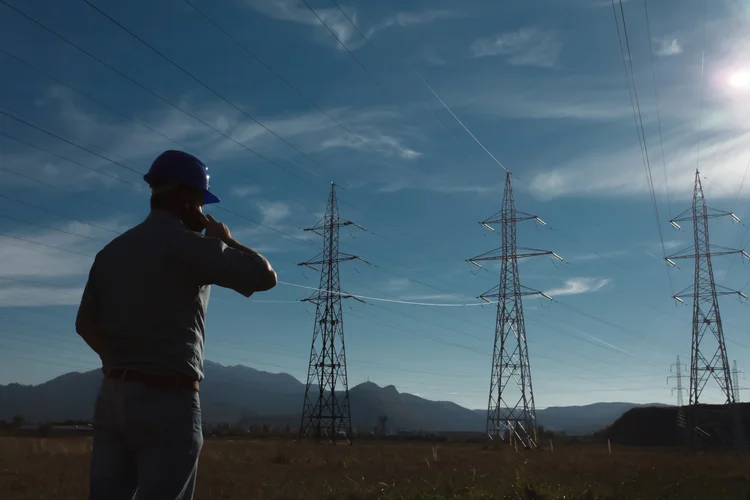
(708, 356)
(510, 410)
(681, 419)
(326, 413)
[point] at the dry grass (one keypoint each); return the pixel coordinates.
(57, 469)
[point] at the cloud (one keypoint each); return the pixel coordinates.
(596, 256)
(619, 172)
(434, 184)
(43, 276)
(577, 286)
(244, 191)
(669, 47)
(274, 211)
(524, 47)
(136, 146)
(385, 144)
(297, 12)
(22, 295)
(405, 19)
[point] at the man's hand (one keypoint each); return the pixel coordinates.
(216, 229)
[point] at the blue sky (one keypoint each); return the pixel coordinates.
(541, 85)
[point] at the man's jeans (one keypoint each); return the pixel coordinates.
(145, 439)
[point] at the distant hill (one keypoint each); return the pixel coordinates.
(239, 393)
(658, 426)
(580, 420)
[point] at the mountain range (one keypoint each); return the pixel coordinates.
(241, 394)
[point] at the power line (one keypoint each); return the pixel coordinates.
(380, 299)
(75, 145)
(103, 104)
(656, 99)
(19, 238)
(49, 184)
(204, 85)
(59, 214)
(278, 75)
(356, 59)
(638, 116)
(44, 226)
(155, 94)
(100, 172)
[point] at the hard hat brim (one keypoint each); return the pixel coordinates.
(209, 198)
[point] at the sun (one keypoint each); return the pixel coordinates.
(740, 80)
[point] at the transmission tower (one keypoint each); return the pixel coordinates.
(736, 381)
(510, 411)
(681, 419)
(325, 412)
(708, 357)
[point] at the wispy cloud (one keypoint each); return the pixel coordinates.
(525, 47)
(577, 286)
(136, 146)
(594, 173)
(668, 47)
(596, 256)
(297, 12)
(385, 144)
(406, 19)
(22, 295)
(41, 275)
(244, 191)
(435, 184)
(274, 211)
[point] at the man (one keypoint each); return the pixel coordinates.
(143, 311)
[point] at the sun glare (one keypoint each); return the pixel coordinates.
(740, 80)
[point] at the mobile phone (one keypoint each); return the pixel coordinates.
(198, 218)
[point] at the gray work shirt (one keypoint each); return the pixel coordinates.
(148, 290)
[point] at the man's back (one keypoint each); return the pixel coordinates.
(150, 288)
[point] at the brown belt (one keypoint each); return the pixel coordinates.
(155, 381)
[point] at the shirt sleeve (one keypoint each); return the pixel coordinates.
(215, 263)
(89, 302)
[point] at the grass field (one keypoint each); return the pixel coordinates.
(57, 468)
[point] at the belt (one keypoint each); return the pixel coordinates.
(155, 381)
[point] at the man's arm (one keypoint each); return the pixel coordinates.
(86, 321)
(218, 259)
(269, 278)
(216, 229)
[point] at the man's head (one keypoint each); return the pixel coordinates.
(179, 184)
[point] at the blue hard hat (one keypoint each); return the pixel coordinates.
(182, 168)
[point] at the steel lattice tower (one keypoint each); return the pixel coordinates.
(511, 410)
(736, 381)
(681, 419)
(678, 375)
(326, 412)
(708, 357)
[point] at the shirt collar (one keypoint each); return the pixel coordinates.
(161, 216)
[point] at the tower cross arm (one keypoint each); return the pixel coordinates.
(711, 213)
(524, 291)
(719, 252)
(500, 218)
(497, 254)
